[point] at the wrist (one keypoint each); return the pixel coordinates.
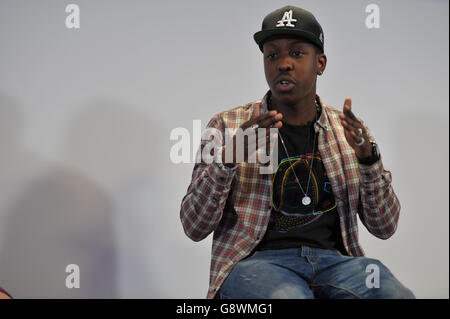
(370, 157)
(365, 152)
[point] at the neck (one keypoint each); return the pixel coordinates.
(299, 113)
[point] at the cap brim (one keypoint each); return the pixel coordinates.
(261, 36)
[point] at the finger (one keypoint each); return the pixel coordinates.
(257, 120)
(278, 124)
(348, 128)
(352, 116)
(353, 123)
(347, 105)
(354, 131)
(357, 138)
(270, 121)
(347, 110)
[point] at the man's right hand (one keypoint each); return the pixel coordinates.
(271, 119)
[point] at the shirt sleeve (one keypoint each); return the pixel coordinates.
(5, 292)
(204, 202)
(379, 206)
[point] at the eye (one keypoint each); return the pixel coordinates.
(271, 55)
(297, 53)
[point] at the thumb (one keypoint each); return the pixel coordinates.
(347, 105)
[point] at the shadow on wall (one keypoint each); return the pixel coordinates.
(112, 142)
(59, 216)
(51, 218)
(125, 150)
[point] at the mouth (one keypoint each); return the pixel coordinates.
(285, 84)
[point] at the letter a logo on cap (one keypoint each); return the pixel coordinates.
(287, 17)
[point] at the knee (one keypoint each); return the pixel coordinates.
(380, 283)
(388, 286)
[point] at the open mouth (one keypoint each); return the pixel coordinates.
(285, 85)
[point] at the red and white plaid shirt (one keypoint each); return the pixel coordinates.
(235, 203)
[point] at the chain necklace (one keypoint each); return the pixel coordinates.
(306, 200)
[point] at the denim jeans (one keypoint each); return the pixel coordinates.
(308, 273)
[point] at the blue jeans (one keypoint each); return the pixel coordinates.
(308, 273)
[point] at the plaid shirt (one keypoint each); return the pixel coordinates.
(235, 203)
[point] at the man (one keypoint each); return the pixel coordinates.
(294, 233)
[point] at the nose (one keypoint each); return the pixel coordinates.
(285, 64)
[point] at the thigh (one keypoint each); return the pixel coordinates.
(359, 277)
(263, 279)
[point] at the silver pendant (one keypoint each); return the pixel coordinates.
(306, 200)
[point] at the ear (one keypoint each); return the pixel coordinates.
(321, 63)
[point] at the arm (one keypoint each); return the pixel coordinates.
(203, 204)
(379, 207)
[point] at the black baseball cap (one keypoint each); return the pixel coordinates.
(290, 20)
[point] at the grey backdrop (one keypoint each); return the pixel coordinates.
(86, 114)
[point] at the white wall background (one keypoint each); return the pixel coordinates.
(85, 118)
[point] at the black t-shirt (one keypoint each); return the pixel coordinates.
(292, 223)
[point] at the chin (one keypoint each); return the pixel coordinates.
(286, 97)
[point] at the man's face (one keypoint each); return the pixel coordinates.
(291, 67)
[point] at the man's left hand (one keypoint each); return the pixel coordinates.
(354, 131)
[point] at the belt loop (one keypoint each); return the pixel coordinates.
(307, 251)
